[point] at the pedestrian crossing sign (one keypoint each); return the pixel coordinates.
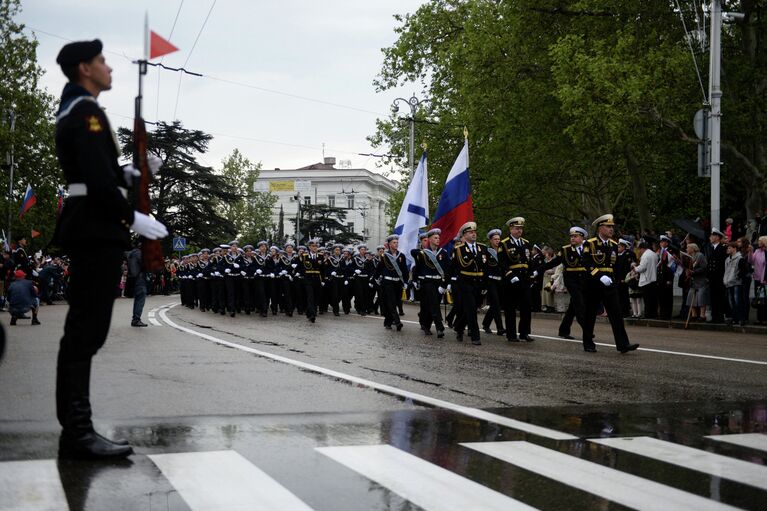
(179, 244)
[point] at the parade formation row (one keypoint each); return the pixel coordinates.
(312, 280)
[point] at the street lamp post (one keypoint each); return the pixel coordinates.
(413, 103)
(11, 164)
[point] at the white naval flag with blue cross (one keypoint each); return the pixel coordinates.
(414, 213)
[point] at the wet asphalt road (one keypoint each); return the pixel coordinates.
(170, 391)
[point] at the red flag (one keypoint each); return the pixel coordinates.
(35, 233)
(159, 46)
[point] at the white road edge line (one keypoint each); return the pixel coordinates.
(653, 350)
(388, 389)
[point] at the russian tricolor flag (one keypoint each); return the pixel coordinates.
(455, 206)
(28, 202)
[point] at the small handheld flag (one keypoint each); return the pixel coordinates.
(159, 46)
(28, 202)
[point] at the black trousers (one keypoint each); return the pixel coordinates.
(430, 300)
(391, 295)
(218, 289)
(597, 293)
(299, 294)
(333, 288)
(494, 302)
(665, 299)
(94, 276)
(286, 288)
(362, 291)
(650, 296)
(718, 293)
(203, 293)
(576, 310)
(347, 293)
(312, 288)
(469, 290)
(517, 297)
(232, 287)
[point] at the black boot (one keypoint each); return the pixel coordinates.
(78, 438)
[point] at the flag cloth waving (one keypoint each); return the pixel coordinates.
(455, 206)
(414, 213)
(28, 202)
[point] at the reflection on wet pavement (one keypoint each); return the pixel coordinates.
(285, 448)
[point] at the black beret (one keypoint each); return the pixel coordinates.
(79, 51)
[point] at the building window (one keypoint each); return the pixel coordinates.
(350, 227)
(307, 201)
(332, 201)
(350, 202)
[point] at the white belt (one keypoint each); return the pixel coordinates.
(395, 279)
(433, 277)
(81, 190)
(494, 277)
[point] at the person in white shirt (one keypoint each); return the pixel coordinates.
(647, 269)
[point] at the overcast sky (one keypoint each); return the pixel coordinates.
(328, 50)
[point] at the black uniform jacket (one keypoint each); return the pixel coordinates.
(87, 152)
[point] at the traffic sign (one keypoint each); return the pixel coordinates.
(179, 244)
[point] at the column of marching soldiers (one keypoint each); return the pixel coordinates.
(313, 279)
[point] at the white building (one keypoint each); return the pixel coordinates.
(362, 193)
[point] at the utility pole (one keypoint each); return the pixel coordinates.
(413, 103)
(715, 116)
(11, 165)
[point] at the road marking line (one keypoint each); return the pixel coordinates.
(154, 322)
(426, 485)
(694, 459)
(625, 489)
(653, 350)
(756, 441)
(388, 389)
(31, 486)
(224, 480)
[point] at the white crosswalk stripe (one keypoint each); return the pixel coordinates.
(420, 482)
(225, 481)
(695, 459)
(31, 486)
(625, 489)
(756, 441)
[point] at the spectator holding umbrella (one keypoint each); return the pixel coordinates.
(697, 298)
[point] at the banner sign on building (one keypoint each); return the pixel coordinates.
(281, 186)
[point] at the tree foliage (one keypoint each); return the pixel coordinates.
(576, 108)
(251, 213)
(186, 196)
(325, 222)
(32, 138)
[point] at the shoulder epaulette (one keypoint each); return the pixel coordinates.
(592, 240)
(524, 240)
(565, 247)
(504, 240)
(613, 242)
(459, 245)
(481, 244)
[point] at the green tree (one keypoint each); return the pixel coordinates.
(325, 222)
(251, 214)
(32, 137)
(186, 196)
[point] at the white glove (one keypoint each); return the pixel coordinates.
(417, 285)
(290, 278)
(242, 273)
(259, 272)
(271, 275)
(515, 280)
(346, 282)
(484, 292)
(148, 227)
(199, 275)
(294, 266)
(441, 290)
(35, 274)
(607, 281)
(332, 273)
(129, 173)
(449, 288)
(227, 271)
(404, 287)
(217, 274)
(237, 266)
(370, 285)
(535, 273)
(322, 284)
(357, 271)
(284, 272)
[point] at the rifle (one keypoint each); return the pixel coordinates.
(151, 250)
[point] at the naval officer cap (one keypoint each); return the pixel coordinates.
(625, 242)
(289, 244)
(205, 251)
(362, 245)
(78, 51)
(338, 245)
(433, 232)
(422, 235)
(468, 226)
(301, 247)
(717, 232)
(224, 246)
(248, 247)
(380, 247)
(604, 220)
(392, 237)
(274, 247)
(493, 232)
(262, 242)
(517, 221)
(347, 249)
(665, 238)
(578, 230)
